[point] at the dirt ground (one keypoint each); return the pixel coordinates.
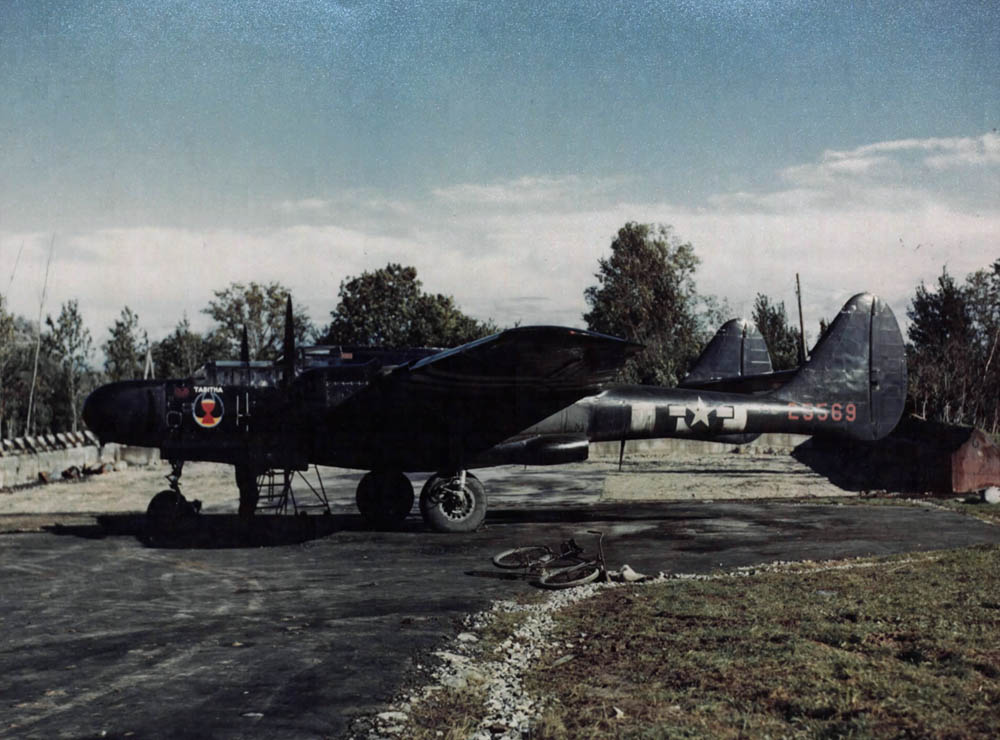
(674, 478)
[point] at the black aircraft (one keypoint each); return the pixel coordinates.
(534, 395)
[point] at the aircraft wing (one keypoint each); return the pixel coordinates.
(553, 356)
(459, 402)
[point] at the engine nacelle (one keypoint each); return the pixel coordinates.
(536, 449)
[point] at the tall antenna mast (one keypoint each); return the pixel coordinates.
(38, 342)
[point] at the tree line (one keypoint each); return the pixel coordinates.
(645, 290)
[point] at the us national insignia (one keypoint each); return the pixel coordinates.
(207, 410)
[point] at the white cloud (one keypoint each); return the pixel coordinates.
(525, 191)
(305, 205)
(525, 250)
(939, 152)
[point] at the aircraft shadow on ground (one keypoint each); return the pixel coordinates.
(915, 458)
(226, 531)
(859, 467)
(721, 473)
(610, 512)
(218, 531)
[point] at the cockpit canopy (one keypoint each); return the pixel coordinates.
(351, 362)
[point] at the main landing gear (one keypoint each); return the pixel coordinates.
(454, 502)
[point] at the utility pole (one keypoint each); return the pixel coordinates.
(802, 326)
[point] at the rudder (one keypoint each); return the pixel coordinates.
(857, 370)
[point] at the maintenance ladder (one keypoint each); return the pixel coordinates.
(277, 496)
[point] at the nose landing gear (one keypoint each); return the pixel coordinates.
(169, 514)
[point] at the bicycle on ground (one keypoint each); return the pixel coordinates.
(564, 568)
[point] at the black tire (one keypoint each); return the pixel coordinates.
(169, 514)
(574, 575)
(384, 498)
(445, 509)
(522, 557)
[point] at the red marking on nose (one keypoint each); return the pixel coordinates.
(208, 406)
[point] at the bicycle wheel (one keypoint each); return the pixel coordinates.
(522, 557)
(574, 575)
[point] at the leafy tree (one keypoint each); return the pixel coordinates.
(125, 351)
(645, 292)
(941, 351)
(387, 308)
(259, 308)
(16, 365)
(181, 353)
(982, 293)
(782, 338)
(69, 344)
(7, 349)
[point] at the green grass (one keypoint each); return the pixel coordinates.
(453, 712)
(906, 647)
(972, 506)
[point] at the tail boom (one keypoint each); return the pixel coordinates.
(640, 412)
(854, 387)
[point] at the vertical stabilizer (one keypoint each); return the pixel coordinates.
(860, 363)
(737, 350)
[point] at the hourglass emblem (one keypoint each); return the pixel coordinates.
(207, 410)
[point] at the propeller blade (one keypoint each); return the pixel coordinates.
(289, 349)
(245, 347)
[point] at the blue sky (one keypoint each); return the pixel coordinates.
(172, 147)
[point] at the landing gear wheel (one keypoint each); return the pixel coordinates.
(169, 514)
(384, 498)
(574, 575)
(448, 506)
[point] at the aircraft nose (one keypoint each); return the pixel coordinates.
(124, 412)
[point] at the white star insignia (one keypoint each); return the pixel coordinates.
(700, 412)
